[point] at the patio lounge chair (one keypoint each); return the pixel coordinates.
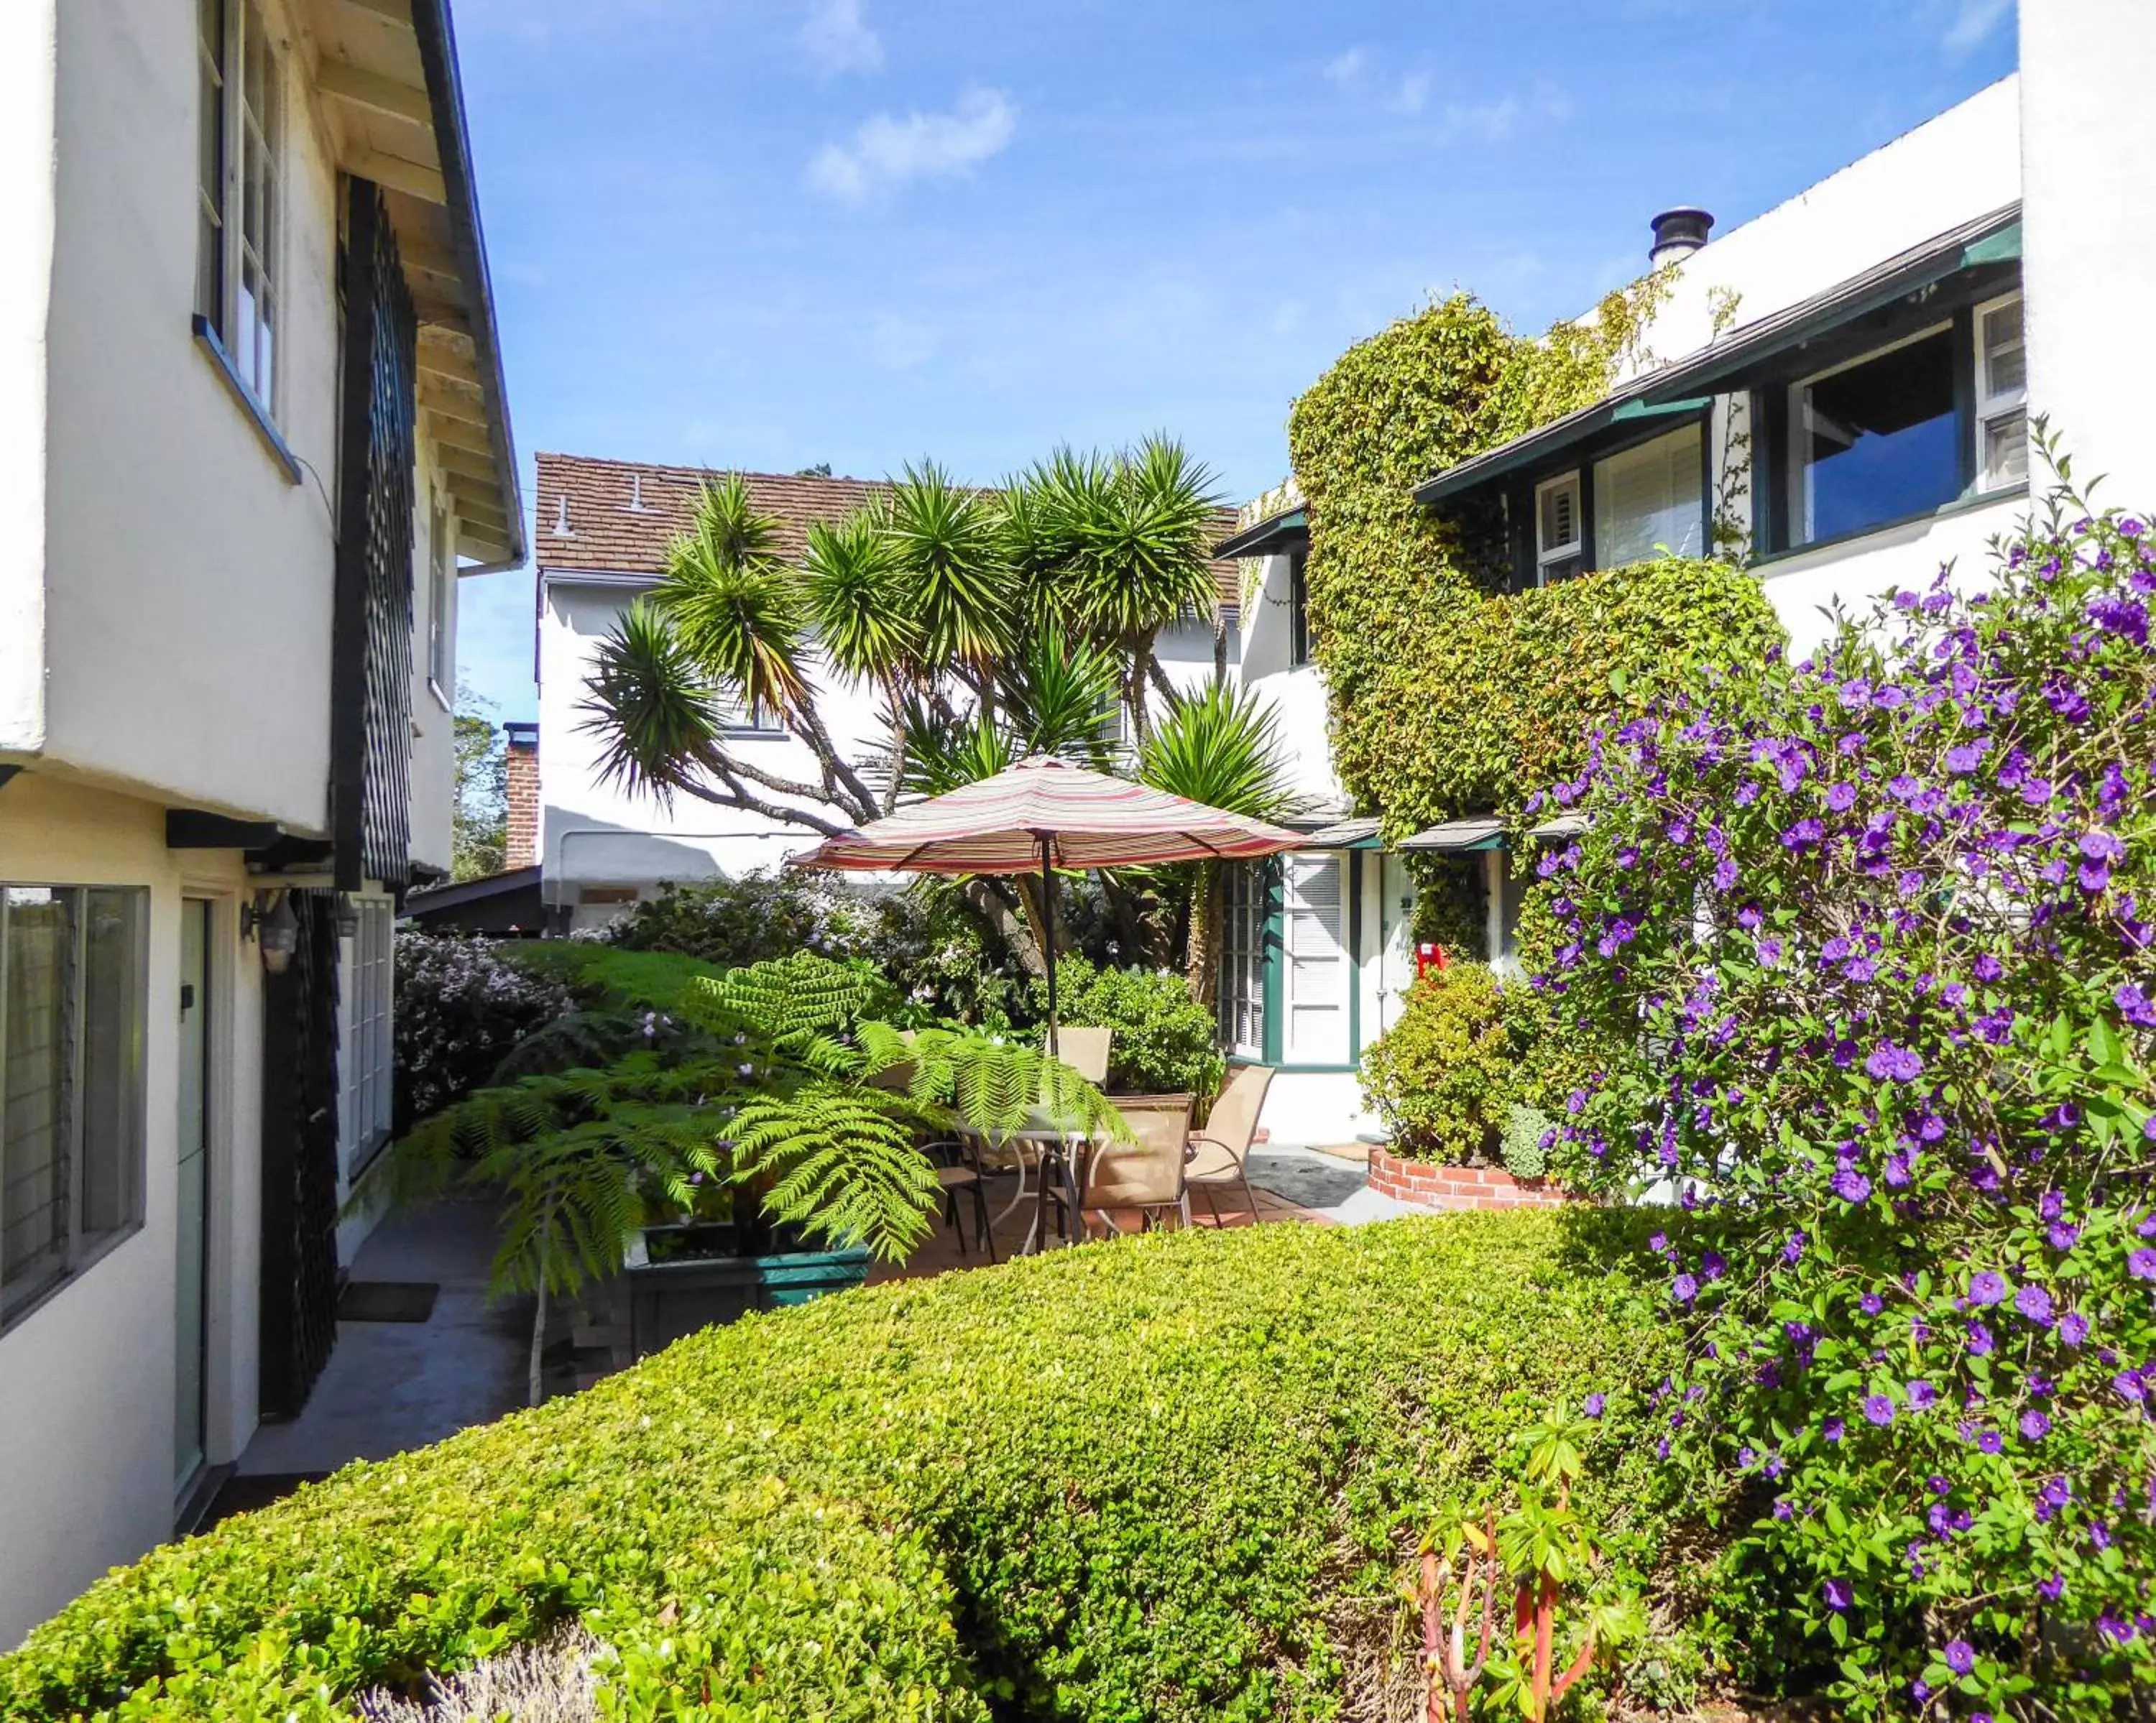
(1147, 1174)
(1220, 1154)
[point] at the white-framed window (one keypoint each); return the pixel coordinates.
(1557, 536)
(1649, 496)
(441, 606)
(1246, 897)
(238, 191)
(2002, 395)
(1300, 649)
(1875, 439)
(365, 999)
(72, 1027)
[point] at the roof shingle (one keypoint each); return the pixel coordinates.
(618, 517)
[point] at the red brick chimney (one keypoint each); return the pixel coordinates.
(522, 849)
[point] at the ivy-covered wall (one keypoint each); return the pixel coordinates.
(1445, 699)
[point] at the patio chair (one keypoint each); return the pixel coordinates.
(1146, 1174)
(1220, 1153)
(1085, 1051)
(958, 1171)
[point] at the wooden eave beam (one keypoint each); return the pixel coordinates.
(359, 88)
(415, 179)
(462, 463)
(390, 12)
(455, 434)
(454, 409)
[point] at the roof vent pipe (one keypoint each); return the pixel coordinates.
(1678, 233)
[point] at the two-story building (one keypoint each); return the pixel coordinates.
(601, 536)
(254, 429)
(1836, 394)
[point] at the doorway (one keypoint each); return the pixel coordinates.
(191, 1302)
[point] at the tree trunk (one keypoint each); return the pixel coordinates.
(988, 902)
(535, 1387)
(1202, 972)
(1219, 648)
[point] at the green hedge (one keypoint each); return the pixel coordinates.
(1442, 1077)
(1172, 1477)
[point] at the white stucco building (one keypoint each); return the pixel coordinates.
(1843, 384)
(252, 427)
(602, 532)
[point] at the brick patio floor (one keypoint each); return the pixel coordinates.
(941, 1254)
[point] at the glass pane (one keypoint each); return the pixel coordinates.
(265, 348)
(255, 63)
(1560, 517)
(2006, 450)
(242, 337)
(37, 958)
(1646, 497)
(1878, 438)
(2005, 360)
(209, 274)
(111, 1057)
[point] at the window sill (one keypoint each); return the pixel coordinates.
(265, 428)
(94, 1254)
(1945, 511)
(441, 700)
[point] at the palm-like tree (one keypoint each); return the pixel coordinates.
(1220, 746)
(944, 540)
(853, 593)
(1137, 536)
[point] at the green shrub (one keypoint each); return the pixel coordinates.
(1440, 1078)
(1525, 1142)
(1178, 1477)
(463, 1003)
(1165, 1041)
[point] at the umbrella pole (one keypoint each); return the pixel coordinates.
(1048, 939)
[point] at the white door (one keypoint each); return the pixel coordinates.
(192, 1284)
(1317, 972)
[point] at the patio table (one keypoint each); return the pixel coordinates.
(1060, 1153)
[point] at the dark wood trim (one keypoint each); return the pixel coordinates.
(1966, 359)
(192, 828)
(258, 415)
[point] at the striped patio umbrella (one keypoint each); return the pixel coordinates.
(1046, 814)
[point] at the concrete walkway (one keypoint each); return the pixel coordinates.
(391, 1386)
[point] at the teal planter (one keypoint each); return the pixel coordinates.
(672, 1293)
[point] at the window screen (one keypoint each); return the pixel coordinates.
(1648, 497)
(1876, 441)
(367, 1000)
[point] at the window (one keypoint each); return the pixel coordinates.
(367, 1000)
(1647, 497)
(71, 1033)
(2002, 396)
(238, 136)
(1245, 896)
(441, 619)
(1298, 607)
(1557, 544)
(1875, 440)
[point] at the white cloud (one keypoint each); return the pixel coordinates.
(1347, 70)
(838, 38)
(1414, 91)
(1973, 21)
(887, 152)
(1493, 122)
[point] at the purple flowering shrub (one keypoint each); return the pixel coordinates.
(1875, 932)
(461, 1006)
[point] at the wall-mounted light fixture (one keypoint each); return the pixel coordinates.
(272, 924)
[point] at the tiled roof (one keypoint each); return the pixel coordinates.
(618, 517)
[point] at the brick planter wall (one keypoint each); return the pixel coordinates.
(1426, 1185)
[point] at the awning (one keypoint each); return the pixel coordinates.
(1286, 532)
(1349, 834)
(1687, 386)
(1456, 837)
(1565, 825)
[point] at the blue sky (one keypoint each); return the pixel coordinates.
(764, 234)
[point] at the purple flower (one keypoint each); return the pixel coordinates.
(1879, 1410)
(1804, 833)
(1851, 1186)
(1889, 1062)
(2141, 1264)
(2073, 1328)
(1922, 1396)
(1838, 1595)
(1965, 758)
(2035, 1426)
(2035, 1303)
(1872, 1304)
(1793, 1248)
(1833, 1429)
(2052, 1588)
(2134, 1005)
(1595, 1402)
(1987, 1288)
(1961, 1656)
(1685, 1288)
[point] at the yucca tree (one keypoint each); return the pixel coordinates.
(1136, 534)
(855, 594)
(954, 580)
(1220, 746)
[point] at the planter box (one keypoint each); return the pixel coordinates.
(668, 1298)
(1426, 1185)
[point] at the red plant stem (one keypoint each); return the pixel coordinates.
(1579, 1667)
(1545, 1625)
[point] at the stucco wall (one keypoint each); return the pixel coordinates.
(2089, 233)
(1962, 164)
(188, 578)
(433, 730)
(86, 1420)
(27, 38)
